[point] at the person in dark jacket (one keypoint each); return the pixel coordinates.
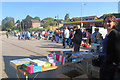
(111, 49)
(77, 38)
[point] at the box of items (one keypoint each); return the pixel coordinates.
(30, 68)
(15, 63)
(37, 68)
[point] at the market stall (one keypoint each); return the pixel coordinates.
(53, 61)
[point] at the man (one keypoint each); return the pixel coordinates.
(57, 36)
(77, 38)
(7, 34)
(95, 34)
(86, 36)
(66, 37)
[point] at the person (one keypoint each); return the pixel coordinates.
(84, 33)
(77, 38)
(39, 35)
(95, 34)
(70, 40)
(66, 37)
(7, 34)
(99, 38)
(23, 34)
(57, 36)
(63, 37)
(18, 35)
(111, 49)
(86, 37)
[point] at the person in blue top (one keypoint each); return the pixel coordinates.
(23, 34)
(95, 34)
(110, 49)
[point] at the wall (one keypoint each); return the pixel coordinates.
(35, 25)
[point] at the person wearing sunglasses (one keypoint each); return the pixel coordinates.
(110, 49)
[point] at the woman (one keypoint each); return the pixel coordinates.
(111, 49)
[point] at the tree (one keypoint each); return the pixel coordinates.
(37, 18)
(67, 19)
(66, 16)
(49, 22)
(28, 17)
(18, 21)
(7, 23)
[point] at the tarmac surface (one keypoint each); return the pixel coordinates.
(11, 48)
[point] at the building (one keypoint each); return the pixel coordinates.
(52, 28)
(89, 22)
(35, 23)
(30, 24)
(119, 7)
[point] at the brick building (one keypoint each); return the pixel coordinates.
(25, 24)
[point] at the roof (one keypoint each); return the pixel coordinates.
(88, 17)
(35, 21)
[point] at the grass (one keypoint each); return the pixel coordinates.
(3, 33)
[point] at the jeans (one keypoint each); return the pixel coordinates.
(66, 42)
(76, 47)
(57, 39)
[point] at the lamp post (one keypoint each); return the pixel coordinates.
(81, 14)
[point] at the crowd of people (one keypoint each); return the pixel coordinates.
(70, 37)
(26, 35)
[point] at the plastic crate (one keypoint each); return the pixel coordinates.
(37, 69)
(30, 68)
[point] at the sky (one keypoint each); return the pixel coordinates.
(19, 10)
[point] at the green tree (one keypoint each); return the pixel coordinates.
(66, 16)
(18, 21)
(42, 24)
(7, 23)
(37, 18)
(28, 17)
(49, 22)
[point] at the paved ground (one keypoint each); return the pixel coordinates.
(14, 49)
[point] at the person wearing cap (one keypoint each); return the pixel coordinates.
(77, 38)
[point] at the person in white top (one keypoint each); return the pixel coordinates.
(29, 35)
(66, 36)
